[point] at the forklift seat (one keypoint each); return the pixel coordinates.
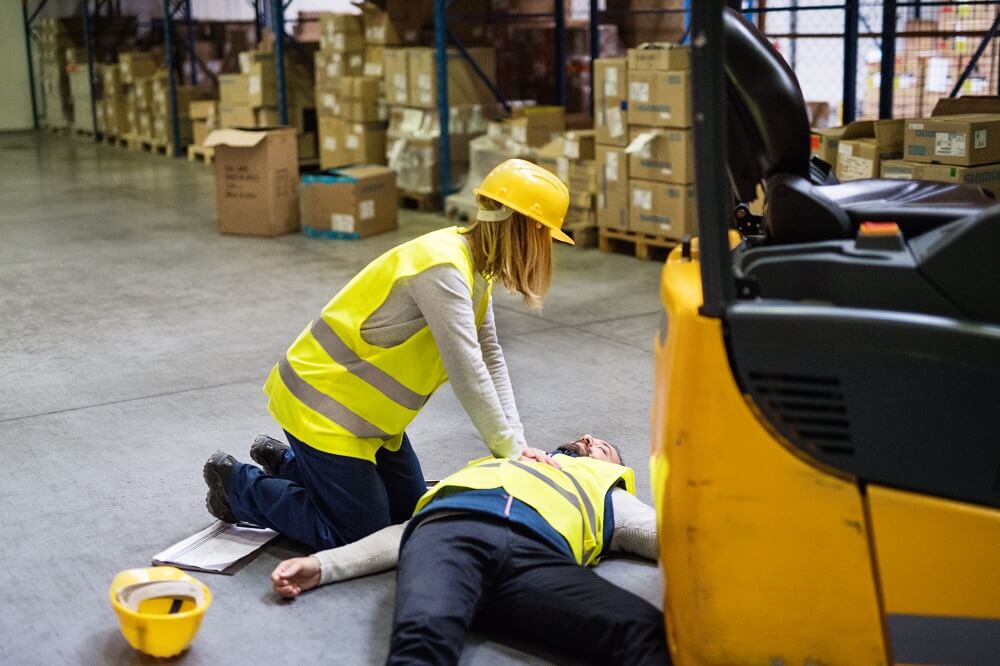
(768, 130)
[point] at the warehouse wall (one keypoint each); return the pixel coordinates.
(15, 109)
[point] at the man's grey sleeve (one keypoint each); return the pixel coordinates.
(635, 526)
(373, 554)
(497, 365)
(443, 298)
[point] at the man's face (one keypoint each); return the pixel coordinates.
(590, 446)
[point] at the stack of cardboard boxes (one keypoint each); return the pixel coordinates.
(645, 165)
(571, 157)
(410, 76)
(350, 105)
(80, 92)
(55, 37)
(249, 99)
(162, 123)
(133, 85)
(113, 108)
(204, 118)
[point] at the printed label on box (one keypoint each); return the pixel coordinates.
(845, 150)
(854, 168)
(562, 169)
(616, 127)
(571, 149)
(611, 82)
(425, 97)
(980, 139)
(638, 91)
(366, 209)
(399, 81)
(611, 167)
(332, 70)
(356, 60)
(351, 141)
(424, 81)
(342, 222)
(519, 134)
(600, 200)
(329, 143)
(949, 143)
(642, 199)
(254, 84)
(338, 41)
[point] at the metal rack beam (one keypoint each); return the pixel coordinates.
(888, 72)
(441, 63)
(168, 46)
(976, 56)
(28, 20)
(89, 45)
(278, 26)
(849, 92)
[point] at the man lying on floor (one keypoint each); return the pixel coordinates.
(505, 544)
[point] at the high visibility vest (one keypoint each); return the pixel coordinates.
(339, 394)
(571, 500)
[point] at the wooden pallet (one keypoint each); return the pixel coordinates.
(643, 246)
(420, 201)
(59, 129)
(113, 140)
(584, 236)
(83, 133)
(204, 153)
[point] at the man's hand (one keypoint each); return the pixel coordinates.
(538, 455)
(293, 577)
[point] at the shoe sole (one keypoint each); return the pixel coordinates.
(257, 454)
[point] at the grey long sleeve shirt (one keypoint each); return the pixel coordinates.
(439, 299)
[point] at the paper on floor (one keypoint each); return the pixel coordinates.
(218, 548)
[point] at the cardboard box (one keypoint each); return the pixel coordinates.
(824, 142)
(307, 146)
(661, 209)
(966, 139)
(660, 56)
(342, 41)
(354, 202)
(364, 143)
(112, 80)
(659, 99)
(116, 116)
(161, 98)
(136, 64)
(374, 60)
(203, 109)
(200, 130)
(394, 21)
(464, 85)
(331, 142)
(863, 146)
(266, 117)
(986, 176)
(396, 72)
(234, 89)
(552, 156)
(536, 125)
(248, 59)
(331, 65)
(262, 86)
(256, 180)
(236, 115)
(610, 101)
(163, 130)
(582, 183)
(332, 23)
(612, 188)
(579, 145)
(665, 155)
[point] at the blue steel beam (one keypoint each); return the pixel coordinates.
(31, 63)
(849, 105)
(464, 52)
(89, 45)
(192, 53)
(441, 61)
(278, 26)
(595, 46)
(888, 73)
(37, 11)
(168, 46)
(975, 56)
(560, 54)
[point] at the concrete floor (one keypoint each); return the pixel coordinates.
(134, 342)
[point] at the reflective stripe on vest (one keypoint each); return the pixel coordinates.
(574, 509)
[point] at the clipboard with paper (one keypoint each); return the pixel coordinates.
(219, 548)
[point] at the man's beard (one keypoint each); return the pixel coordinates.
(572, 449)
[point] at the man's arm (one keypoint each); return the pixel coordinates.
(373, 554)
(635, 526)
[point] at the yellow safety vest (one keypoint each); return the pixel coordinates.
(571, 500)
(339, 394)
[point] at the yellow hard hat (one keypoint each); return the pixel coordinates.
(530, 190)
(159, 608)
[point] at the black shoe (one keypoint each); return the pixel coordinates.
(269, 453)
(216, 472)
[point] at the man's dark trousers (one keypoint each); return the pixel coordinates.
(459, 570)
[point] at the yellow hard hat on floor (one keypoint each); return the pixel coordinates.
(530, 190)
(159, 608)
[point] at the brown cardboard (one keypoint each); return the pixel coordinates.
(364, 143)
(660, 56)
(863, 146)
(966, 139)
(136, 64)
(200, 130)
(266, 117)
(986, 176)
(234, 89)
(342, 41)
(393, 22)
(582, 183)
(374, 60)
(331, 142)
(328, 103)
(236, 115)
(612, 188)
(823, 143)
(464, 85)
(112, 80)
(659, 99)
(396, 72)
(331, 65)
(256, 180)
(951, 106)
(355, 202)
(203, 109)
(661, 209)
(536, 125)
(332, 24)
(666, 155)
(610, 95)
(552, 156)
(262, 87)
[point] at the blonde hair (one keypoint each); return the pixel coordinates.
(516, 252)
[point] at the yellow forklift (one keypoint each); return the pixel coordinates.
(826, 421)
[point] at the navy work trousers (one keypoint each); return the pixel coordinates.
(479, 571)
(325, 500)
